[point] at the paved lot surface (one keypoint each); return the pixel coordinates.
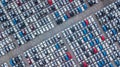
(57, 29)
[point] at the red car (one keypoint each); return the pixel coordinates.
(29, 61)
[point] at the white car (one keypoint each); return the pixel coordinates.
(12, 46)
(4, 65)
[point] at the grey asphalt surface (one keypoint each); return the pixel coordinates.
(57, 29)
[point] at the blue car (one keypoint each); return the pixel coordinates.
(11, 62)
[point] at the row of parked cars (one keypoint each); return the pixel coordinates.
(19, 28)
(17, 61)
(23, 20)
(109, 18)
(4, 65)
(6, 43)
(51, 52)
(25, 23)
(67, 10)
(90, 46)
